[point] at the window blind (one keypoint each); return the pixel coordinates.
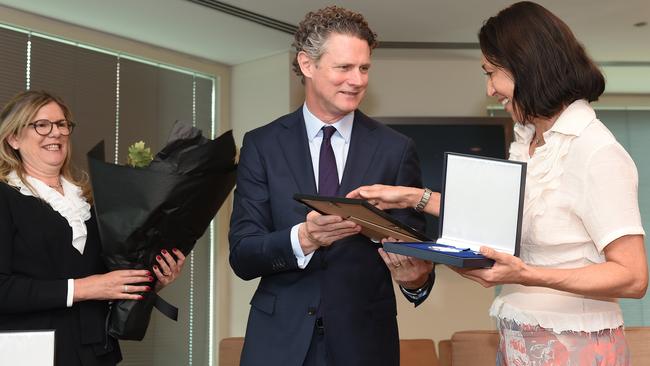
(122, 100)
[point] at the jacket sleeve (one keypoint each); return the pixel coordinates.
(410, 175)
(256, 247)
(19, 293)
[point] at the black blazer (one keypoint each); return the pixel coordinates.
(36, 260)
(349, 280)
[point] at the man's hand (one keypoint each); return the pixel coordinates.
(322, 230)
(410, 273)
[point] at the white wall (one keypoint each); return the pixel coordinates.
(262, 90)
(426, 83)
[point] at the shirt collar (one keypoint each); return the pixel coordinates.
(314, 125)
(72, 206)
(575, 118)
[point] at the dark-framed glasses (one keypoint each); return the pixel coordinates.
(43, 127)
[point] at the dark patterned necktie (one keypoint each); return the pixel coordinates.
(328, 178)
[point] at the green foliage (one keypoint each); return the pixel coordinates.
(139, 155)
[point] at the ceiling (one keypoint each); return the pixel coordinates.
(606, 27)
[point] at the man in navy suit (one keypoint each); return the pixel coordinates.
(325, 295)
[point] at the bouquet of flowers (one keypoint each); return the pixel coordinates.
(166, 204)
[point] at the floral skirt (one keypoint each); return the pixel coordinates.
(532, 345)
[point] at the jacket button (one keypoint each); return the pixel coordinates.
(311, 311)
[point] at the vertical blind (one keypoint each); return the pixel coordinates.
(122, 100)
(13, 61)
(85, 80)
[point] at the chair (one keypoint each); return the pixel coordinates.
(469, 348)
(638, 339)
(444, 352)
(474, 347)
(230, 351)
(417, 352)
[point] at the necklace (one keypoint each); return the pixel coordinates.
(55, 186)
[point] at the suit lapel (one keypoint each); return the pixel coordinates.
(363, 147)
(294, 145)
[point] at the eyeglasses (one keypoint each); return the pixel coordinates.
(43, 127)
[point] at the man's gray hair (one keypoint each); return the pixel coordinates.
(314, 31)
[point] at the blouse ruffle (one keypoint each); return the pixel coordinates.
(545, 173)
(71, 205)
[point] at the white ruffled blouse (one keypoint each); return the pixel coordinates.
(71, 205)
(581, 194)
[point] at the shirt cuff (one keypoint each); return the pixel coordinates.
(301, 258)
(416, 294)
(70, 297)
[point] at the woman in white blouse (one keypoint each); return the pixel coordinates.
(582, 243)
(51, 272)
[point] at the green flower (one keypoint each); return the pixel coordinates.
(139, 156)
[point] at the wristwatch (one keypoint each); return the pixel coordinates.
(416, 293)
(424, 200)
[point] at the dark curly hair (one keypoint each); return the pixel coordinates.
(314, 30)
(551, 69)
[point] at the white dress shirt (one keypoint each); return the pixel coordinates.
(581, 194)
(340, 144)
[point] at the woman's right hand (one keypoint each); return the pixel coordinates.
(123, 284)
(387, 197)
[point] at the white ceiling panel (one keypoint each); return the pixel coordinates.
(605, 27)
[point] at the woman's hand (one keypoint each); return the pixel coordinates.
(387, 197)
(123, 284)
(623, 274)
(168, 267)
(410, 273)
(506, 269)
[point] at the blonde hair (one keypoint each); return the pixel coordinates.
(14, 118)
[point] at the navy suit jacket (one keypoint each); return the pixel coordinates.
(348, 284)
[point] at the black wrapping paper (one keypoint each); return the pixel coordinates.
(168, 204)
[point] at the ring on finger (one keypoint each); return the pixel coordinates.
(126, 289)
(397, 265)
